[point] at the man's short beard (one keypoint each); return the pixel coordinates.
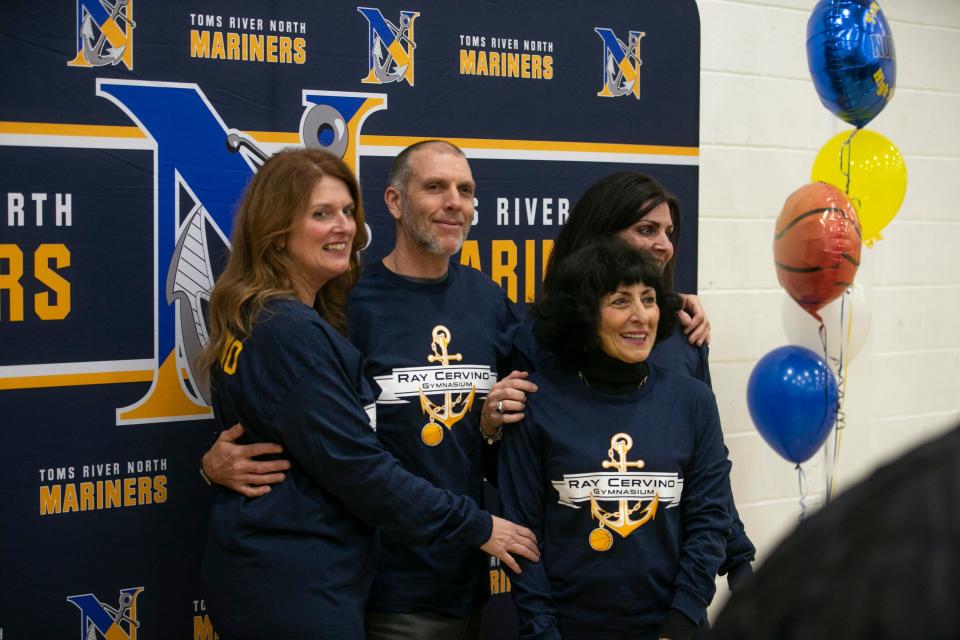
(420, 234)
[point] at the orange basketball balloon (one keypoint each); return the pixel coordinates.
(816, 246)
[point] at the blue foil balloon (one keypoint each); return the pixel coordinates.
(852, 59)
(792, 397)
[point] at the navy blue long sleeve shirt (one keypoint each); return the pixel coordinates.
(576, 455)
(674, 353)
(399, 326)
(298, 561)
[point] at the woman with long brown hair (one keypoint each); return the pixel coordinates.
(298, 561)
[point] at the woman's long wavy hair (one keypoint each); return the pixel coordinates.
(609, 206)
(259, 268)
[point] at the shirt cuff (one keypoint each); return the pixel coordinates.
(484, 529)
(677, 626)
(689, 603)
(738, 575)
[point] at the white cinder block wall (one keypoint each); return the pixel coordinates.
(761, 125)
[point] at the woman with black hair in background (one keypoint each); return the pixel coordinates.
(636, 208)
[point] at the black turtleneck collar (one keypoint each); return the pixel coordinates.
(609, 375)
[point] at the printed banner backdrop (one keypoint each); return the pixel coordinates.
(128, 131)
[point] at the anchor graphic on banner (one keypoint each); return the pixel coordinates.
(446, 414)
(620, 521)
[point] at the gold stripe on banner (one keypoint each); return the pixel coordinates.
(401, 142)
(86, 130)
(75, 374)
(75, 380)
(392, 142)
(275, 137)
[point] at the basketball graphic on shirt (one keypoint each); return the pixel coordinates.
(431, 434)
(601, 539)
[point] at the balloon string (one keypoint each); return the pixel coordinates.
(827, 451)
(847, 332)
(845, 166)
(802, 486)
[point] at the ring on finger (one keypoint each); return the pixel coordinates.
(500, 406)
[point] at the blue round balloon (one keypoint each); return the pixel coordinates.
(792, 397)
(852, 59)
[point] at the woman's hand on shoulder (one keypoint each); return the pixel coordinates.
(694, 320)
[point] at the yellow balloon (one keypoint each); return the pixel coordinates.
(878, 177)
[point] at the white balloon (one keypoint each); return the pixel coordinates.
(846, 320)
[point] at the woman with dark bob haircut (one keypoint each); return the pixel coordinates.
(638, 209)
(618, 466)
(580, 284)
(298, 561)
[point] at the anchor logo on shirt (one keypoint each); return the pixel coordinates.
(454, 406)
(621, 520)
